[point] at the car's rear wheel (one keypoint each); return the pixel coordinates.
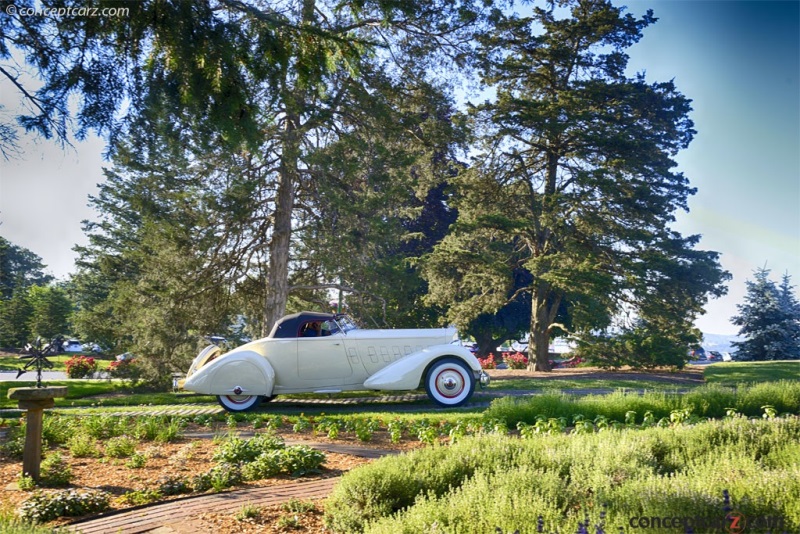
(449, 382)
(238, 403)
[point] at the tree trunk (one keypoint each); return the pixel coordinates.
(486, 344)
(278, 274)
(539, 348)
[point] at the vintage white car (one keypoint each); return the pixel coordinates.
(326, 353)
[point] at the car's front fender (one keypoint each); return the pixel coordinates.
(244, 372)
(407, 373)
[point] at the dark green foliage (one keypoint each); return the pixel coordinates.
(51, 311)
(19, 268)
(15, 314)
(46, 506)
(769, 320)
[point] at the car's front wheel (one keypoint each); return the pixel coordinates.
(238, 403)
(449, 382)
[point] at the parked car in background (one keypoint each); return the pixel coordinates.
(713, 356)
(312, 352)
(73, 345)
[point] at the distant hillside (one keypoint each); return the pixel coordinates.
(718, 342)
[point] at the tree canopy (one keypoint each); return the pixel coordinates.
(263, 152)
(574, 182)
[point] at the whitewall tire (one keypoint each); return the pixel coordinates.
(449, 382)
(239, 403)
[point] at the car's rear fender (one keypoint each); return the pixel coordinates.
(239, 372)
(407, 373)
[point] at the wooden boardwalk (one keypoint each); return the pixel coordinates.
(176, 516)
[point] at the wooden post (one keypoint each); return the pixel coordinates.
(34, 400)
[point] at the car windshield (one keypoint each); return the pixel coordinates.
(342, 323)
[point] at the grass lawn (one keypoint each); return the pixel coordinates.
(533, 384)
(83, 393)
(78, 389)
(11, 362)
(732, 373)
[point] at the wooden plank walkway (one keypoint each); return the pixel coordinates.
(175, 516)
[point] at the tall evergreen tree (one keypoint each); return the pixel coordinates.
(574, 183)
(19, 267)
(51, 310)
(769, 320)
(15, 315)
(787, 299)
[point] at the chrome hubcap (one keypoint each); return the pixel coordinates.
(449, 383)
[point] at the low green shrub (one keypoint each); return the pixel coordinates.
(711, 401)
(218, 478)
(174, 485)
(136, 461)
(57, 430)
(55, 471)
(14, 444)
(140, 497)
(25, 482)
(161, 429)
(120, 447)
(495, 482)
(46, 506)
(12, 525)
(83, 446)
(235, 450)
(296, 506)
(247, 511)
(295, 461)
(103, 426)
(393, 483)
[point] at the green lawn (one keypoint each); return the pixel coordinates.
(83, 393)
(732, 373)
(10, 362)
(533, 384)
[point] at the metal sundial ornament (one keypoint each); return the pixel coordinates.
(36, 355)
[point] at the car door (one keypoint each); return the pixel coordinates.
(323, 360)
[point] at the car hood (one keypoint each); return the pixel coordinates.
(436, 335)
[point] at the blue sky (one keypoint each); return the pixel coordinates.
(738, 61)
(740, 64)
